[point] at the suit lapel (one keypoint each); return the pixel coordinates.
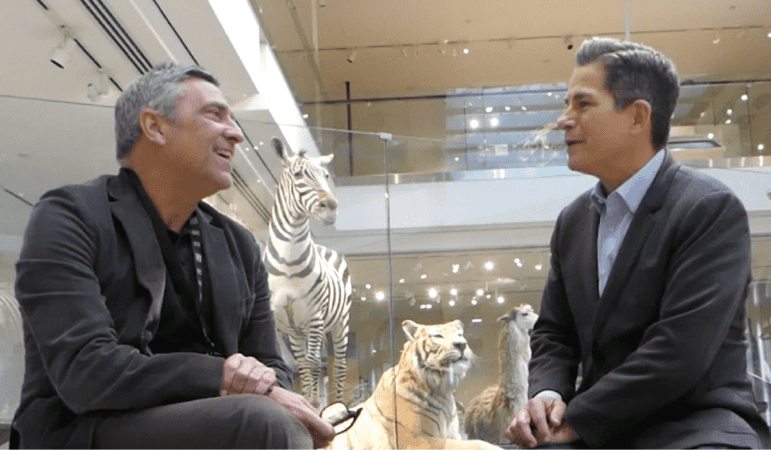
(588, 247)
(634, 241)
(148, 260)
(223, 276)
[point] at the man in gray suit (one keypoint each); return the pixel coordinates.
(146, 312)
(648, 281)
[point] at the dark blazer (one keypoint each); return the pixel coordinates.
(662, 352)
(90, 283)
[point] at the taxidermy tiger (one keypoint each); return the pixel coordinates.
(433, 362)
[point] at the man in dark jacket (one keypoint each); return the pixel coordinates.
(145, 310)
(648, 281)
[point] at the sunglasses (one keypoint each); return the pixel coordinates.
(340, 417)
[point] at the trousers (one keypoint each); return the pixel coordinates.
(238, 421)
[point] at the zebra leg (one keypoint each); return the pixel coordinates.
(298, 345)
(340, 346)
(313, 355)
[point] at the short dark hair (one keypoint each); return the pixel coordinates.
(635, 71)
(160, 88)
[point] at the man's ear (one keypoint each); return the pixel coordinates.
(641, 115)
(152, 124)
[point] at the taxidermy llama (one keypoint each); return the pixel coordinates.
(310, 284)
(489, 413)
(413, 405)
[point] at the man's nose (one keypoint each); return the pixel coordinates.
(234, 133)
(565, 121)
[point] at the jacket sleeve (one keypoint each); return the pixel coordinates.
(72, 329)
(690, 350)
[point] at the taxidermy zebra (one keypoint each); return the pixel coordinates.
(310, 284)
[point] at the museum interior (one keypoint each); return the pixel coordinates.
(449, 170)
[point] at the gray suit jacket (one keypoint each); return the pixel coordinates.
(90, 283)
(662, 352)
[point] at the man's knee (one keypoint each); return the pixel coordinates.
(259, 420)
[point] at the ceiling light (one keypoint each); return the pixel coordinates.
(457, 159)
(368, 286)
(451, 303)
(401, 281)
(507, 108)
(455, 267)
(744, 97)
(364, 299)
(524, 108)
(473, 302)
(480, 292)
(729, 111)
(568, 42)
(711, 136)
(454, 291)
(489, 265)
(99, 87)
(518, 262)
(494, 122)
(476, 320)
(489, 109)
(465, 51)
(432, 293)
(62, 55)
(761, 147)
(474, 124)
(500, 300)
(728, 121)
(538, 266)
(305, 116)
(423, 277)
(380, 296)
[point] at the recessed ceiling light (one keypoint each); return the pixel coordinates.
(489, 265)
(474, 302)
(432, 293)
(380, 296)
(423, 277)
(480, 292)
(500, 300)
(454, 291)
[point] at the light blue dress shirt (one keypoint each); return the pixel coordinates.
(616, 213)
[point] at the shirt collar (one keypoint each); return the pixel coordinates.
(633, 190)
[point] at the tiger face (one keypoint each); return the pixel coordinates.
(439, 352)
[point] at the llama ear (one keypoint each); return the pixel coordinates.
(410, 328)
(504, 318)
(458, 323)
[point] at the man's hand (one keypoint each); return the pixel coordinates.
(297, 405)
(245, 375)
(539, 422)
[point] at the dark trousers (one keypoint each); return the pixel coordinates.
(239, 421)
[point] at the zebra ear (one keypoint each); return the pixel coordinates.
(410, 328)
(324, 160)
(278, 146)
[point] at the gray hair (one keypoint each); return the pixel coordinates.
(160, 89)
(635, 71)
